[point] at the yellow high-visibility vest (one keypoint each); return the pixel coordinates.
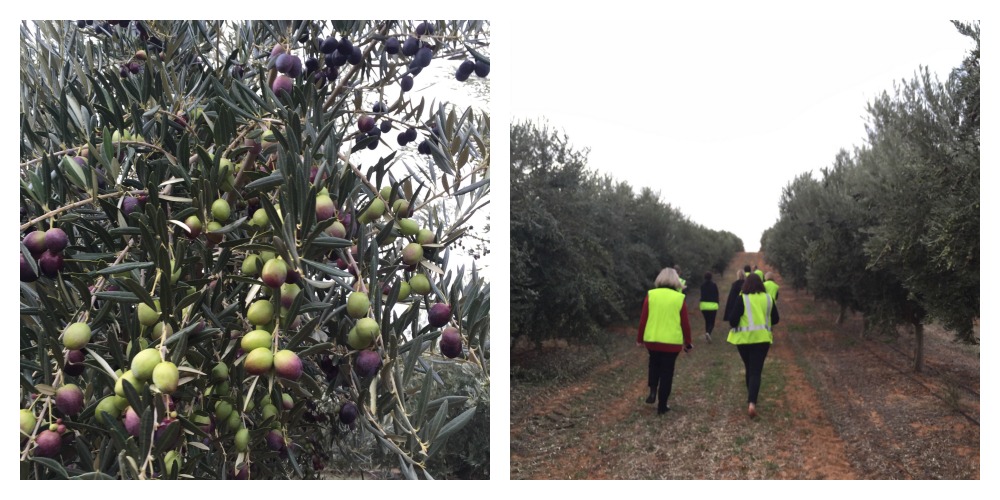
(772, 289)
(663, 317)
(755, 324)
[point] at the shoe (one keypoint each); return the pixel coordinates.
(708, 337)
(651, 399)
(752, 410)
(661, 411)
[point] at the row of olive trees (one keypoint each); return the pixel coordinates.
(892, 229)
(584, 248)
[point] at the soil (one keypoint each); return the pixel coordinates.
(833, 404)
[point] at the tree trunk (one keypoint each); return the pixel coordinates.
(918, 362)
(842, 315)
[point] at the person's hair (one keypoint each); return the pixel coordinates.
(768, 276)
(753, 284)
(708, 276)
(668, 279)
(747, 269)
(741, 275)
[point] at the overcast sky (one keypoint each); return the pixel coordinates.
(719, 116)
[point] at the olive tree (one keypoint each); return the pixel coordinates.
(584, 248)
(892, 229)
(237, 249)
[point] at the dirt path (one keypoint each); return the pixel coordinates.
(833, 406)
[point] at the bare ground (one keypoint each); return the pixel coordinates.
(832, 406)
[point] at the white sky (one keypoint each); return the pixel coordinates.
(706, 112)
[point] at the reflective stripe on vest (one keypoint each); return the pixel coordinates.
(663, 317)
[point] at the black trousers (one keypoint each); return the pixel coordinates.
(709, 320)
(753, 356)
(661, 375)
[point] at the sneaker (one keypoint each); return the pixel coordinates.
(663, 410)
(752, 410)
(708, 337)
(651, 399)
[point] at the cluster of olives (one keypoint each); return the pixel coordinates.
(468, 66)
(46, 247)
(134, 65)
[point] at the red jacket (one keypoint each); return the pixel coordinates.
(656, 346)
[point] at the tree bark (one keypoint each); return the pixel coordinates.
(918, 362)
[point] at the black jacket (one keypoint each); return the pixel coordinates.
(709, 292)
(734, 297)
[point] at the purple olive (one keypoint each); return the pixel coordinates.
(410, 46)
(50, 263)
(425, 28)
(74, 363)
(282, 84)
(275, 440)
(129, 205)
(35, 243)
(287, 364)
(56, 239)
(482, 69)
(69, 399)
(451, 342)
(439, 314)
(367, 364)
(348, 412)
(366, 123)
(392, 45)
(132, 422)
(345, 47)
(423, 57)
(48, 443)
(27, 274)
(329, 45)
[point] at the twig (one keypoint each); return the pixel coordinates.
(76, 204)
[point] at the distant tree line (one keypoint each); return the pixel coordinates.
(584, 248)
(891, 229)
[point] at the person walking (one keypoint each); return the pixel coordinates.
(665, 330)
(753, 317)
(770, 286)
(709, 304)
(734, 292)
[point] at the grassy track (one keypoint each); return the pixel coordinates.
(827, 409)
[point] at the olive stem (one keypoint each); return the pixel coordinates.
(76, 204)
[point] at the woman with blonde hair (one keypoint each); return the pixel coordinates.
(665, 330)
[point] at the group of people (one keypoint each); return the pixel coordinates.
(664, 329)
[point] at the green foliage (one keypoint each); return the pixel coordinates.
(892, 229)
(195, 122)
(584, 248)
